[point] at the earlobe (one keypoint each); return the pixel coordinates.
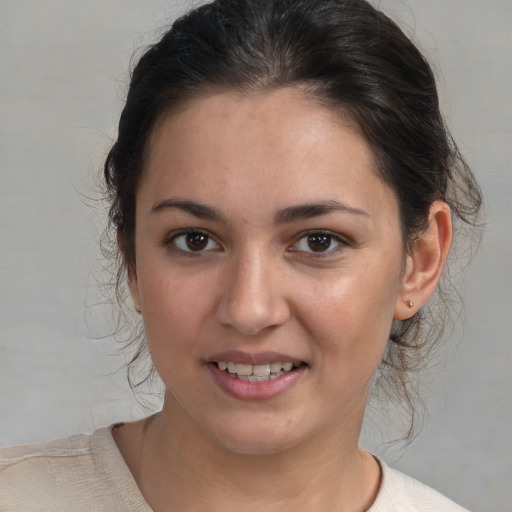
(425, 264)
(133, 285)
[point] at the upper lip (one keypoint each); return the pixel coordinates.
(241, 357)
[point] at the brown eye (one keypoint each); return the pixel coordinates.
(194, 241)
(319, 242)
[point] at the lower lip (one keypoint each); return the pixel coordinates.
(244, 390)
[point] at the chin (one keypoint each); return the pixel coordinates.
(259, 441)
(256, 446)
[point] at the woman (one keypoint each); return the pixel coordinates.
(282, 193)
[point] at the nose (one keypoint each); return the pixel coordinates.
(253, 299)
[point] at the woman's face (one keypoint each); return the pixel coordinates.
(265, 239)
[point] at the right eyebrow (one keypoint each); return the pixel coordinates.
(199, 210)
(310, 210)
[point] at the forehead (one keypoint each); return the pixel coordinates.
(281, 146)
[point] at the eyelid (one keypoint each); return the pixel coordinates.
(171, 237)
(342, 243)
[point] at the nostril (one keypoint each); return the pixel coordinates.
(254, 318)
(251, 301)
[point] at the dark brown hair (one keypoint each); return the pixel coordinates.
(350, 57)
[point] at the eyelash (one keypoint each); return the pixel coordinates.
(333, 238)
(170, 241)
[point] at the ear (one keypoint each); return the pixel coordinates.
(426, 262)
(133, 284)
(131, 274)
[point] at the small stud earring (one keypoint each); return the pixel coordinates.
(410, 303)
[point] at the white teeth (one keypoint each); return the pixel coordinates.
(257, 372)
(253, 378)
(258, 378)
(261, 370)
(243, 369)
(275, 367)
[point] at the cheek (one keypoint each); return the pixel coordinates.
(351, 315)
(177, 309)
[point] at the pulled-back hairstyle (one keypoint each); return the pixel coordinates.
(349, 57)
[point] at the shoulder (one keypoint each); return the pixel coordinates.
(402, 493)
(76, 473)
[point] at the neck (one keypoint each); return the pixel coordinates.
(327, 472)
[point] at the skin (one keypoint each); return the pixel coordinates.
(257, 286)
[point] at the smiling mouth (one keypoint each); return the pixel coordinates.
(258, 372)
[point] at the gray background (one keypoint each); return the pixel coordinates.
(63, 69)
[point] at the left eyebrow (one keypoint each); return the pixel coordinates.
(199, 210)
(310, 210)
